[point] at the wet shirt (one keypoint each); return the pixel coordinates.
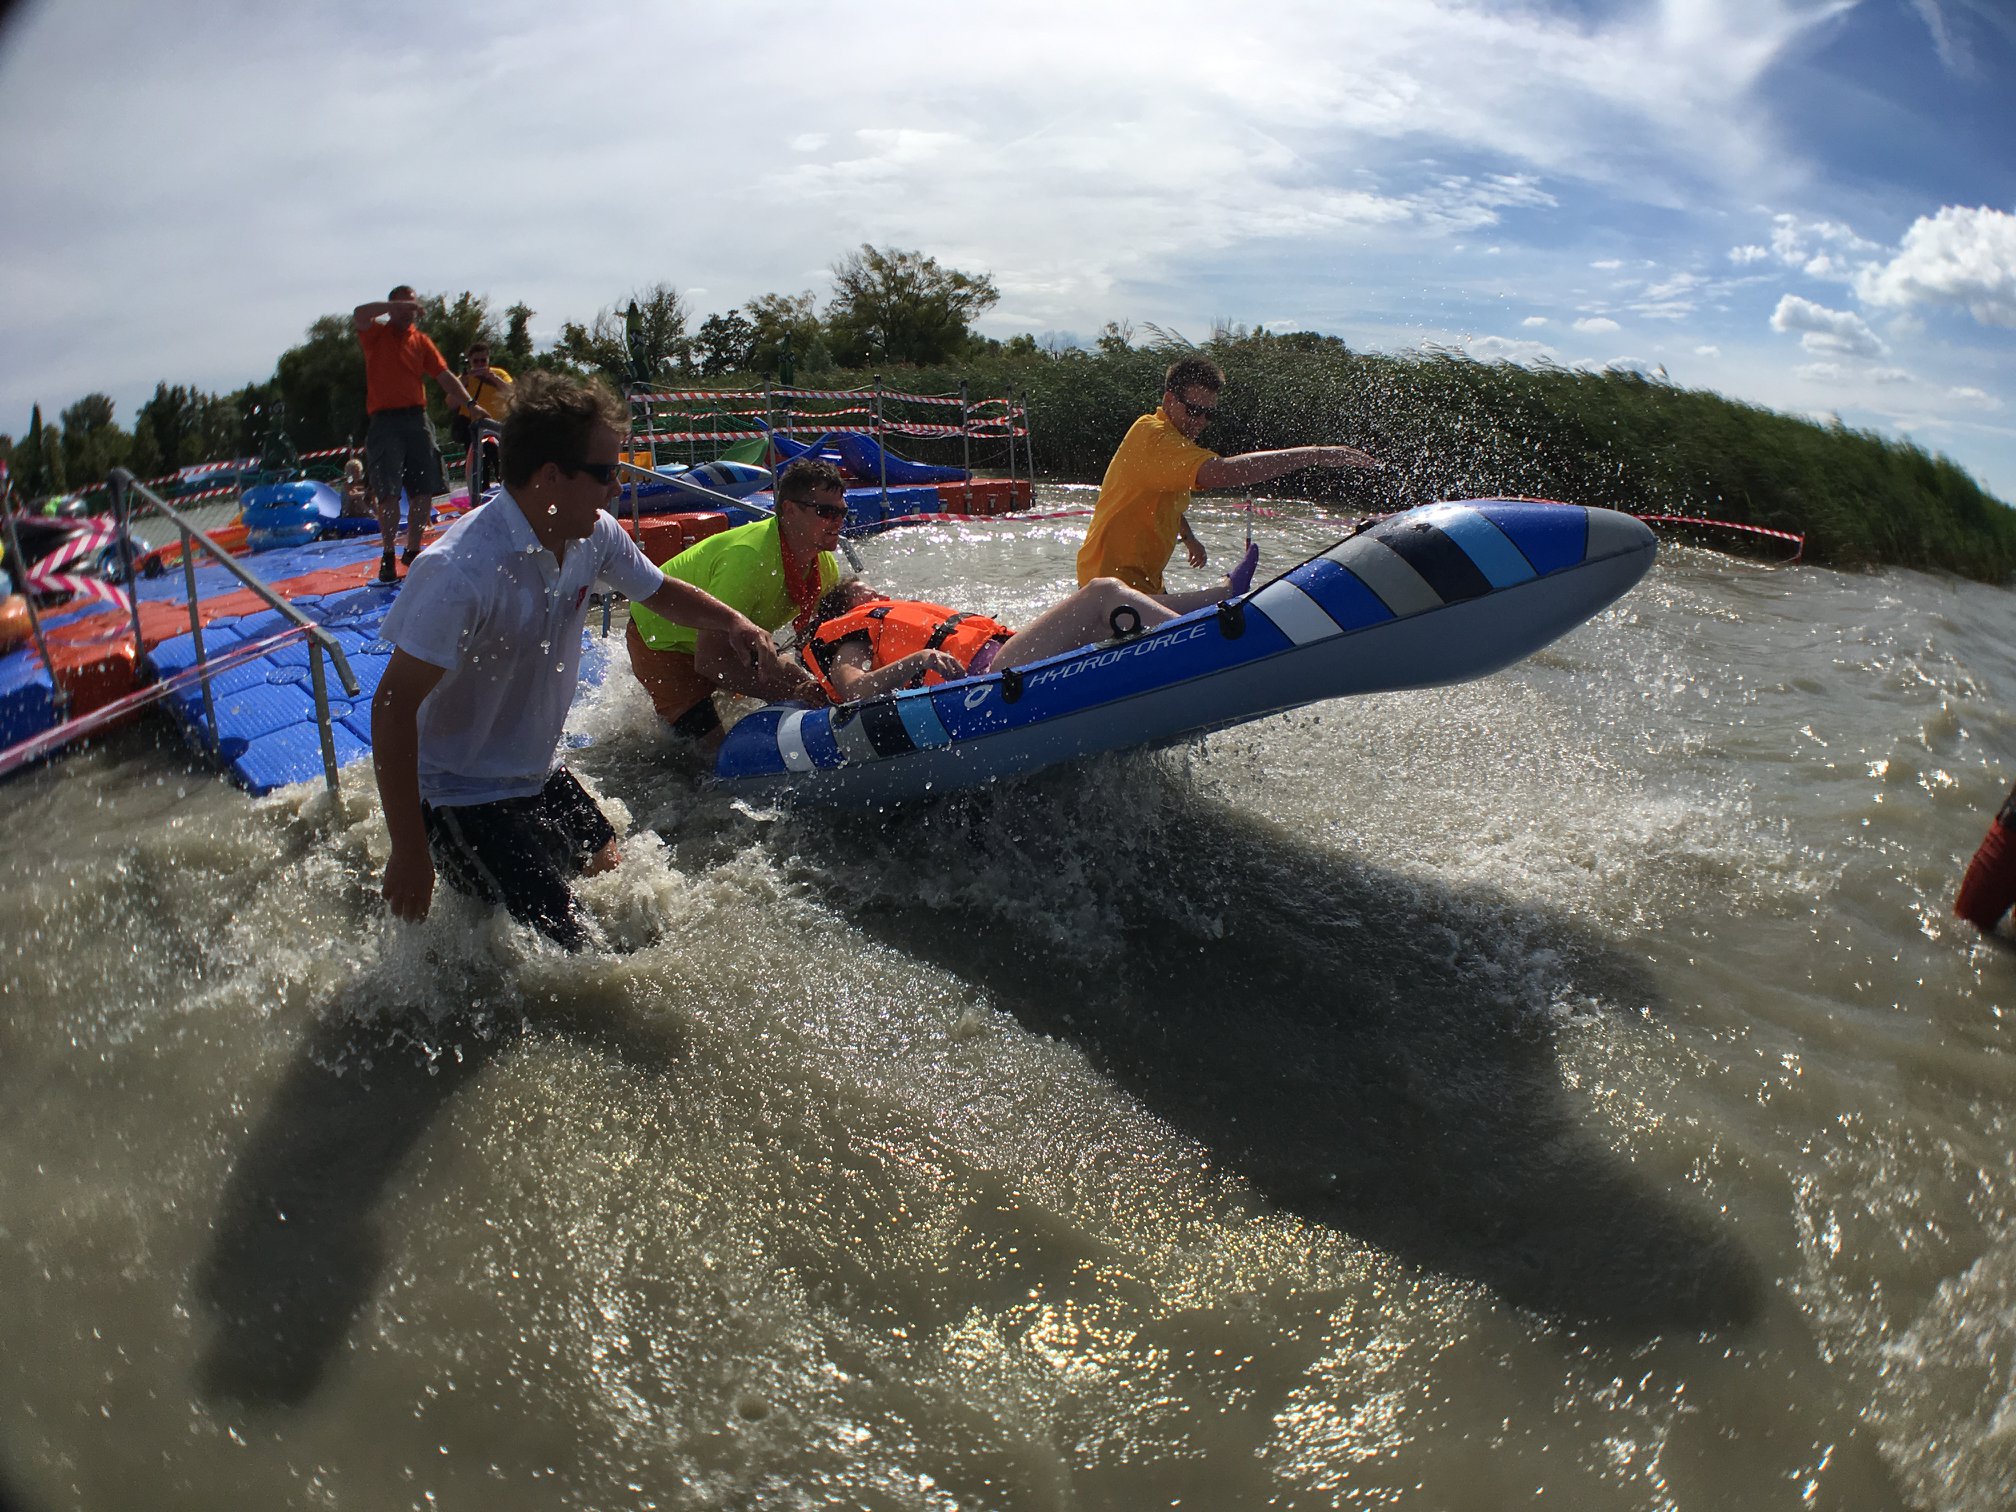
(398, 361)
(490, 605)
(1141, 504)
(744, 568)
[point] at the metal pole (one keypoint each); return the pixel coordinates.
(966, 445)
(321, 685)
(1028, 452)
(1008, 413)
(881, 447)
(196, 636)
(121, 519)
(770, 423)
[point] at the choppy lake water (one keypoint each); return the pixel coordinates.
(1568, 1089)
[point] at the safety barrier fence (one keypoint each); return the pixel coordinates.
(126, 488)
(706, 422)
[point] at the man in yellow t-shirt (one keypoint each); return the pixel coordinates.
(1144, 500)
(489, 387)
(490, 395)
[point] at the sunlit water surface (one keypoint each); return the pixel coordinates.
(1568, 1089)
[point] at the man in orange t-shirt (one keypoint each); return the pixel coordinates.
(1144, 501)
(399, 447)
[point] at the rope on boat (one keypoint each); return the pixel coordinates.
(1797, 539)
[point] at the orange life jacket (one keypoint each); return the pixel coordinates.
(896, 627)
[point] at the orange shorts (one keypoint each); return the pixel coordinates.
(683, 698)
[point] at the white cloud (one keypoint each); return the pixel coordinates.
(1535, 320)
(1749, 253)
(1974, 397)
(1707, 351)
(1826, 332)
(1595, 324)
(1821, 249)
(1609, 264)
(1952, 47)
(1505, 349)
(1960, 256)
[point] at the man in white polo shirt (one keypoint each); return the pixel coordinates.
(487, 632)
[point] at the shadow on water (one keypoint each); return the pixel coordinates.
(1370, 1052)
(298, 1252)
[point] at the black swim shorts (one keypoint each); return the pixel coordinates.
(523, 853)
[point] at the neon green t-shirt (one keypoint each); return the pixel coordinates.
(744, 568)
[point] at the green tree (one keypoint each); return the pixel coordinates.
(93, 442)
(786, 327)
(896, 306)
(517, 350)
(172, 425)
(262, 427)
(456, 325)
(321, 385)
(657, 346)
(38, 460)
(726, 344)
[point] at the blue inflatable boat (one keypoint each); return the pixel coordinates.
(1436, 595)
(675, 487)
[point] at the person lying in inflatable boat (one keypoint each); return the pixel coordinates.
(863, 643)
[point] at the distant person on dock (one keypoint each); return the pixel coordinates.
(490, 388)
(356, 492)
(399, 445)
(864, 643)
(774, 571)
(1144, 501)
(487, 632)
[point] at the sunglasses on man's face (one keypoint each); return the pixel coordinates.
(602, 472)
(826, 511)
(1204, 410)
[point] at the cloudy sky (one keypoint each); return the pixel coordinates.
(1810, 204)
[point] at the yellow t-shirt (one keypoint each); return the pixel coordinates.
(1141, 504)
(744, 568)
(489, 397)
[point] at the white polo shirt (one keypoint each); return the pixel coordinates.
(490, 605)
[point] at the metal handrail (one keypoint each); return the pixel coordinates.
(320, 640)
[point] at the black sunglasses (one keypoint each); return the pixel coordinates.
(824, 511)
(602, 472)
(1206, 410)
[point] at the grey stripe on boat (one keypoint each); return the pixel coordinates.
(1294, 613)
(1386, 573)
(1611, 534)
(855, 744)
(791, 741)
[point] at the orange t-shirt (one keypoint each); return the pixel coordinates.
(1141, 504)
(397, 364)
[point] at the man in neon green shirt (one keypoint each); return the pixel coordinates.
(773, 571)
